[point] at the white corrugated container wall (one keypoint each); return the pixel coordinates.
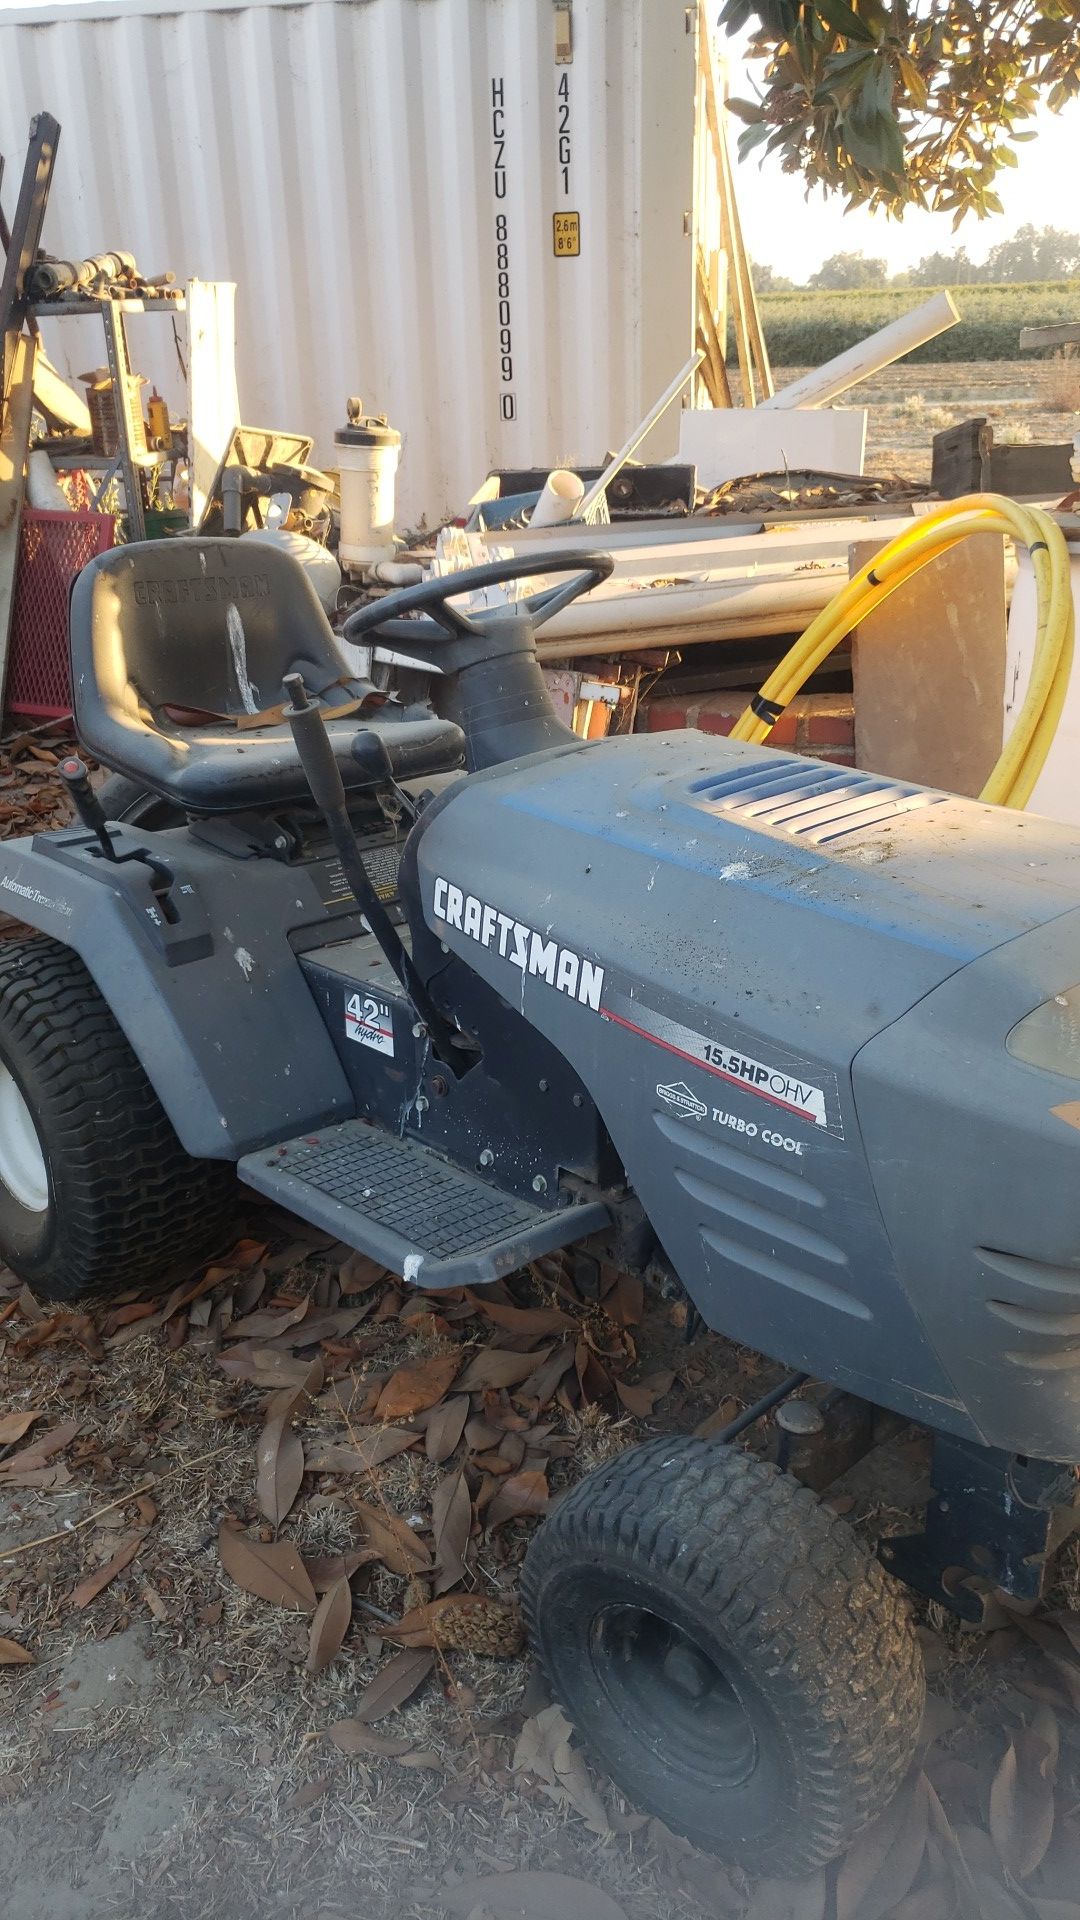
(381, 180)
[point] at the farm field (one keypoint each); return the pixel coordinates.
(811, 325)
(1029, 400)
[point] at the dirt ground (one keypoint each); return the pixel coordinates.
(1024, 400)
(171, 1751)
(1029, 401)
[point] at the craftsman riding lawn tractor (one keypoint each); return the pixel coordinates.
(463, 989)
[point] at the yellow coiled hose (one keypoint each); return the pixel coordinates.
(1021, 761)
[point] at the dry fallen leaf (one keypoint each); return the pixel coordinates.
(352, 1736)
(541, 1385)
(881, 1867)
(530, 1322)
(935, 1902)
(95, 1583)
(329, 1625)
(328, 1324)
(281, 1467)
(451, 1520)
(413, 1388)
(637, 1399)
(521, 1493)
(272, 1570)
(29, 1307)
(40, 1449)
(358, 1272)
(530, 1896)
(307, 1795)
(394, 1684)
(370, 1451)
(12, 1655)
(788, 1899)
(445, 1427)
(14, 1425)
(1022, 1798)
(626, 1301)
(544, 1748)
(265, 1366)
(325, 1569)
(497, 1367)
(267, 1322)
(393, 1539)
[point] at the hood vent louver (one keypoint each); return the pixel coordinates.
(1047, 1310)
(808, 800)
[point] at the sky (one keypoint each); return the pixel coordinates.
(786, 231)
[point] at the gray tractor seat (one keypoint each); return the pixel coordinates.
(179, 646)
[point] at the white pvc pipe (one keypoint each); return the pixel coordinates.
(396, 573)
(559, 500)
(599, 487)
(870, 355)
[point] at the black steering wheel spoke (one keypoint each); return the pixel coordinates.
(391, 618)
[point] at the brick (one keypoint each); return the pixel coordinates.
(831, 729)
(821, 724)
(664, 714)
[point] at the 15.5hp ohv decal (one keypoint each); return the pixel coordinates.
(783, 1086)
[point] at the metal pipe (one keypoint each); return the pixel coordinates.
(599, 487)
(760, 1407)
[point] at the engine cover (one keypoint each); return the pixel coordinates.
(788, 988)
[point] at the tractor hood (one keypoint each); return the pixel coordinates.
(711, 933)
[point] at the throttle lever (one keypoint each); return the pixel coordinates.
(91, 813)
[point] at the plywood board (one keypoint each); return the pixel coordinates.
(929, 670)
(1057, 790)
(724, 443)
(213, 405)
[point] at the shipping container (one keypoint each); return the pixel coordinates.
(479, 215)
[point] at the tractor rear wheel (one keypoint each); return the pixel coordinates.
(733, 1655)
(96, 1192)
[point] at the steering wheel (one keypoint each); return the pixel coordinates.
(387, 619)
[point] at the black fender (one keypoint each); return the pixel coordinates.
(213, 1000)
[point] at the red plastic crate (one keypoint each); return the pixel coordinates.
(53, 548)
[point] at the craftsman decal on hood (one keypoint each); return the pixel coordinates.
(523, 946)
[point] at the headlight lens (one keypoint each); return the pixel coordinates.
(1050, 1037)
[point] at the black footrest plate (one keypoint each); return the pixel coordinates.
(399, 1202)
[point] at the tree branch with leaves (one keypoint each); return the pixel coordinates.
(917, 103)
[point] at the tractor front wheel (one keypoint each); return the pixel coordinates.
(96, 1192)
(733, 1655)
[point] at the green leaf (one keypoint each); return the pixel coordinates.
(844, 19)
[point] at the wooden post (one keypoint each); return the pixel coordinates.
(14, 447)
(25, 239)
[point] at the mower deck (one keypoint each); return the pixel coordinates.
(403, 1205)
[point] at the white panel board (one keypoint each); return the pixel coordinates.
(725, 443)
(380, 178)
(1057, 789)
